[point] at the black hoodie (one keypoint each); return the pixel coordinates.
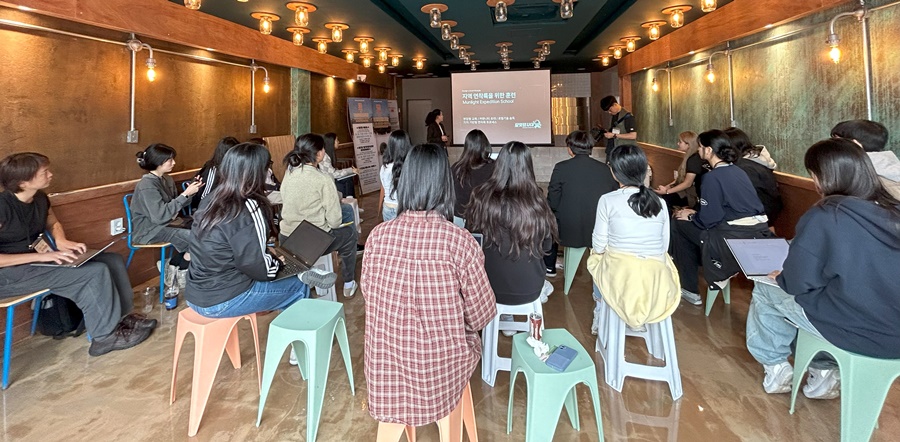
(843, 269)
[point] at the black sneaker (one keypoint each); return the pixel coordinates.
(551, 272)
(123, 337)
(139, 321)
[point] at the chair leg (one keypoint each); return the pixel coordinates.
(180, 334)
(450, 427)
(37, 312)
(468, 414)
(726, 292)
(206, 365)
(7, 344)
(275, 346)
(320, 352)
(233, 346)
(571, 405)
(513, 373)
(162, 274)
(344, 344)
(255, 327)
(130, 256)
(668, 339)
(862, 397)
(711, 296)
(806, 350)
(598, 415)
(390, 432)
(572, 260)
(489, 351)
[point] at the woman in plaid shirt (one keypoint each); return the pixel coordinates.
(427, 296)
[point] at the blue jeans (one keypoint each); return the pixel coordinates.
(388, 213)
(769, 336)
(347, 213)
(261, 296)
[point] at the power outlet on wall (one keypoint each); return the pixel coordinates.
(116, 226)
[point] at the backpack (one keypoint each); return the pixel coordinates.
(60, 318)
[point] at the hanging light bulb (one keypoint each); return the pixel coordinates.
(266, 87)
(349, 55)
(707, 5)
(630, 42)
(321, 44)
(710, 73)
(454, 42)
(676, 13)
(500, 12)
(366, 60)
(835, 52)
(420, 63)
(604, 60)
(297, 37)
(474, 66)
(363, 44)
(536, 63)
(567, 8)
(382, 68)
(192, 4)
(462, 51)
(434, 11)
(653, 28)
(654, 32)
(617, 51)
(395, 60)
(265, 21)
(446, 29)
(382, 54)
(654, 85)
(151, 68)
(545, 48)
(506, 66)
(337, 31)
(301, 12)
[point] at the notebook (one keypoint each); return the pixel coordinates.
(302, 249)
(81, 259)
(759, 257)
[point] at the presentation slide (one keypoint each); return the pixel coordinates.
(506, 106)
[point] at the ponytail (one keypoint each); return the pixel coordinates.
(645, 203)
(629, 165)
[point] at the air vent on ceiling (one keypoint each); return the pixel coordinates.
(520, 14)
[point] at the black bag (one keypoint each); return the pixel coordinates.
(60, 318)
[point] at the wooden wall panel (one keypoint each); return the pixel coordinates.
(279, 146)
(328, 98)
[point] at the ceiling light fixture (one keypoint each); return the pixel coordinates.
(322, 44)
(566, 8)
(337, 31)
(454, 40)
(653, 27)
(463, 50)
(366, 60)
(434, 11)
(350, 55)
(298, 32)
(364, 44)
(192, 4)
(474, 65)
(301, 12)
(604, 59)
(630, 42)
(500, 12)
(617, 51)
(382, 68)
(420, 63)
(545, 46)
(446, 29)
(382, 53)
(536, 63)
(677, 14)
(395, 59)
(265, 21)
(707, 5)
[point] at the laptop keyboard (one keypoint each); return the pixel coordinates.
(291, 267)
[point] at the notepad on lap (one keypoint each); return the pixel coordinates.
(759, 257)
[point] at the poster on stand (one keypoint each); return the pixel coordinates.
(368, 160)
(359, 110)
(381, 116)
(394, 115)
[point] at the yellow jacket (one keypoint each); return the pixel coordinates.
(639, 289)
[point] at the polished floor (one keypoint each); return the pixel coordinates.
(59, 393)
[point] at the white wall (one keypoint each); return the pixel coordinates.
(435, 89)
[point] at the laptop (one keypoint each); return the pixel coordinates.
(81, 259)
(302, 249)
(759, 257)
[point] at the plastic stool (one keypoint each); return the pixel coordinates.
(326, 263)
(865, 382)
(548, 389)
(660, 340)
(622, 417)
(571, 260)
(10, 305)
(313, 323)
(449, 426)
(211, 337)
(711, 296)
(491, 362)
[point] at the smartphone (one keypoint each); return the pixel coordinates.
(560, 359)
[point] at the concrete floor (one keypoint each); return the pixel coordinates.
(58, 392)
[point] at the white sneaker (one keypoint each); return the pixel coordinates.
(778, 378)
(546, 291)
(507, 332)
(293, 359)
(350, 290)
(181, 278)
(691, 297)
(318, 278)
(595, 324)
(822, 384)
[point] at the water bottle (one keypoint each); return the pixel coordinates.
(171, 299)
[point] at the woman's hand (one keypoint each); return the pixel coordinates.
(65, 245)
(355, 170)
(684, 214)
(60, 257)
(662, 190)
(774, 274)
(193, 188)
(445, 138)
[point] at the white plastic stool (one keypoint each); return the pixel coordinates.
(355, 205)
(491, 363)
(326, 263)
(660, 341)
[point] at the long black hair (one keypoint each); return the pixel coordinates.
(511, 204)
(426, 183)
(221, 148)
(842, 168)
(154, 156)
(476, 153)
(398, 147)
(741, 141)
(720, 144)
(243, 178)
(330, 138)
(629, 165)
(432, 116)
(306, 148)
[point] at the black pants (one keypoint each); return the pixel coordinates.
(686, 251)
(345, 187)
(674, 200)
(550, 257)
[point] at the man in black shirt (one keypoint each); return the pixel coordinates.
(622, 126)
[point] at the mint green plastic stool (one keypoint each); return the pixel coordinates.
(865, 382)
(309, 326)
(711, 296)
(548, 390)
(571, 261)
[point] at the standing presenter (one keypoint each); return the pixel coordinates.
(435, 133)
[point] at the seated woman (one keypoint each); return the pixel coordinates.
(518, 227)
(155, 204)
(392, 159)
(231, 273)
(100, 287)
(310, 195)
(427, 297)
(762, 177)
(342, 177)
(273, 186)
(473, 169)
(687, 177)
(839, 280)
(631, 237)
(729, 208)
(208, 172)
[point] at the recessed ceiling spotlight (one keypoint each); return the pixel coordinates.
(445, 65)
(580, 69)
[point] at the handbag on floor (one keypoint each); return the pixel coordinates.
(60, 318)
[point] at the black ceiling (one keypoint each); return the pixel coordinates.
(400, 25)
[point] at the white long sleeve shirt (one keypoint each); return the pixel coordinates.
(618, 227)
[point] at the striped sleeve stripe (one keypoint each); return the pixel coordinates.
(260, 224)
(209, 184)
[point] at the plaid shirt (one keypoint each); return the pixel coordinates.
(427, 296)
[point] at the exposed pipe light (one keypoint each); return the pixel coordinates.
(604, 59)
(617, 51)
(833, 39)
(545, 46)
(349, 55)
(383, 53)
(382, 68)
(395, 59)
(135, 46)
(536, 63)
